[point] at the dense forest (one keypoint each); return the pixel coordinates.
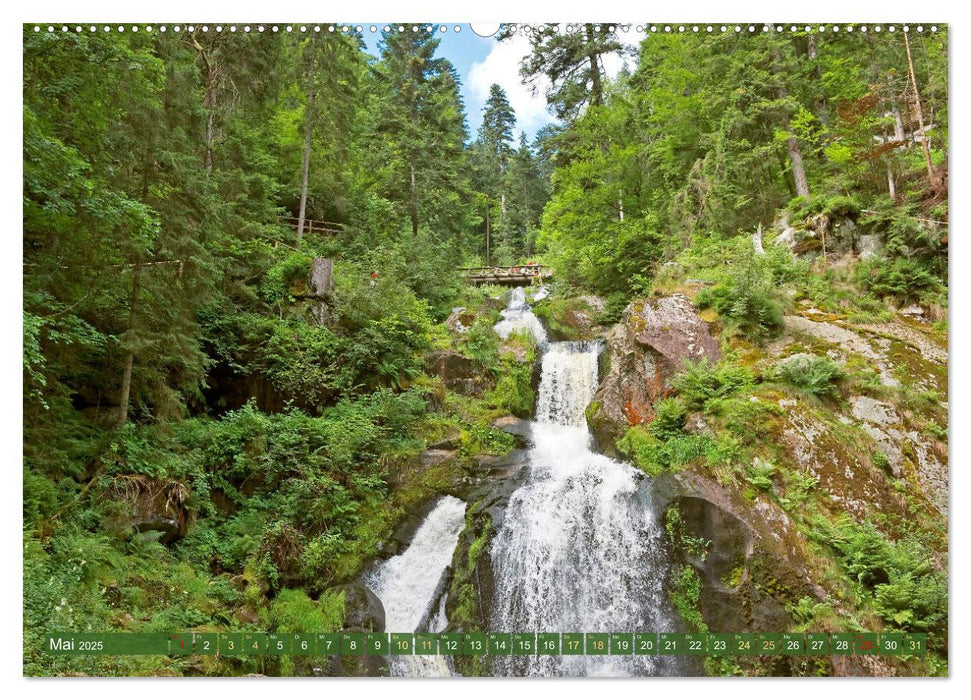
(242, 256)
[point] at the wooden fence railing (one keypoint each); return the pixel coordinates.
(314, 226)
(513, 274)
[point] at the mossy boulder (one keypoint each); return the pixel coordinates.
(644, 352)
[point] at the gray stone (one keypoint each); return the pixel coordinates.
(519, 428)
(644, 351)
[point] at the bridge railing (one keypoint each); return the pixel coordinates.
(313, 225)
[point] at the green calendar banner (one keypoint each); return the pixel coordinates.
(480, 644)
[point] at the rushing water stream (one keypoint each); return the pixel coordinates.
(579, 549)
(408, 583)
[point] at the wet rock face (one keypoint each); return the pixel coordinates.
(644, 351)
(457, 371)
(363, 611)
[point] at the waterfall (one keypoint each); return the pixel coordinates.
(580, 547)
(519, 317)
(408, 585)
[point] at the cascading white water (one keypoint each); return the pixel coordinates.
(407, 584)
(580, 549)
(518, 316)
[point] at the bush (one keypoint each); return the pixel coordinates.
(817, 376)
(701, 383)
(906, 589)
(902, 279)
(654, 456)
(746, 294)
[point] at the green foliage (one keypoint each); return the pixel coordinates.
(702, 384)
(482, 345)
(514, 390)
(760, 474)
(686, 595)
(655, 456)
(677, 531)
(282, 277)
(901, 581)
(668, 420)
(801, 208)
(903, 279)
(294, 611)
(817, 376)
(746, 297)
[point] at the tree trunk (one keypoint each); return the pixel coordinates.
(620, 205)
(130, 356)
(898, 123)
(757, 241)
(798, 169)
(208, 101)
(891, 183)
(931, 174)
(822, 108)
(792, 143)
(596, 85)
(307, 140)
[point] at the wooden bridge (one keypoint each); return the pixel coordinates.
(514, 276)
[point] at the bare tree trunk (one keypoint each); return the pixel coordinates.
(792, 144)
(822, 108)
(130, 356)
(931, 174)
(757, 241)
(898, 123)
(891, 183)
(307, 140)
(798, 169)
(620, 205)
(209, 100)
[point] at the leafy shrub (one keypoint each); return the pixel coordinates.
(760, 473)
(514, 390)
(747, 296)
(283, 275)
(654, 456)
(702, 383)
(613, 308)
(482, 345)
(903, 279)
(906, 589)
(830, 205)
(813, 374)
(668, 419)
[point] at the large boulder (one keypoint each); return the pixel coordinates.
(458, 372)
(752, 562)
(644, 351)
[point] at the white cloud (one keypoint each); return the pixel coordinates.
(501, 66)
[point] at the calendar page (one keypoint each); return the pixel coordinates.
(592, 349)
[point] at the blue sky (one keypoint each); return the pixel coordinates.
(481, 61)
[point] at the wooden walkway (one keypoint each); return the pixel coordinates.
(312, 226)
(513, 276)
